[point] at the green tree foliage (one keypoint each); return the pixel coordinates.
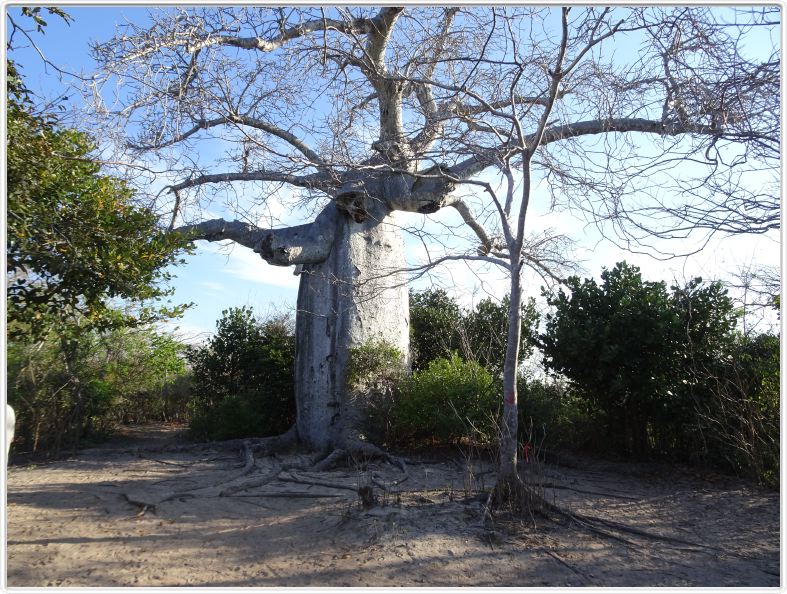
(439, 327)
(704, 335)
(76, 240)
(668, 370)
(114, 375)
(554, 416)
(435, 320)
(83, 260)
(736, 415)
(243, 378)
(145, 371)
(616, 343)
(485, 330)
(448, 400)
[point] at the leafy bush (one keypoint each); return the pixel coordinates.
(243, 378)
(448, 400)
(551, 415)
(615, 343)
(435, 320)
(373, 372)
(668, 371)
(67, 391)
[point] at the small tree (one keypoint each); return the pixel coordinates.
(77, 243)
(616, 344)
(242, 379)
(439, 327)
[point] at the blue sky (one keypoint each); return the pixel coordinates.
(217, 277)
(214, 278)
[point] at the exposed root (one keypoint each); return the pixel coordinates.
(517, 497)
(315, 483)
(599, 493)
(332, 460)
(289, 495)
(568, 566)
(149, 501)
(358, 452)
(256, 482)
(354, 451)
(595, 521)
(268, 446)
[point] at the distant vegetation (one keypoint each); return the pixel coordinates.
(110, 377)
(631, 369)
(87, 268)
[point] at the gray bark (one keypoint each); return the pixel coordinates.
(358, 294)
(353, 290)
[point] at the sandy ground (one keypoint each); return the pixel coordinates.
(82, 521)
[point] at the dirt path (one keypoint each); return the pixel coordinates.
(70, 523)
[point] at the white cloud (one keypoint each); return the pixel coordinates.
(218, 287)
(244, 264)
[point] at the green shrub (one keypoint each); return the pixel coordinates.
(736, 419)
(243, 378)
(449, 400)
(67, 392)
(554, 417)
(373, 372)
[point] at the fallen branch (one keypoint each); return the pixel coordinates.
(288, 495)
(315, 483)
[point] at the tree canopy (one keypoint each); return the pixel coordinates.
(632, 348)
(445, 93)
(76, 239)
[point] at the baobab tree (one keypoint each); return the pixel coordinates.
(363, 113)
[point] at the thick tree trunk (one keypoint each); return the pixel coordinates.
(358, 294)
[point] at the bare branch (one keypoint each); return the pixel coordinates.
(253, 43)
(302, 244)
(315, 181)
(242, 120)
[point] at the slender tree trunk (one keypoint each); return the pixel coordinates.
(507, 473)
(357, 295)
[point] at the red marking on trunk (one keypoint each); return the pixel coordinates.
(510, 398)
(526, 451)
